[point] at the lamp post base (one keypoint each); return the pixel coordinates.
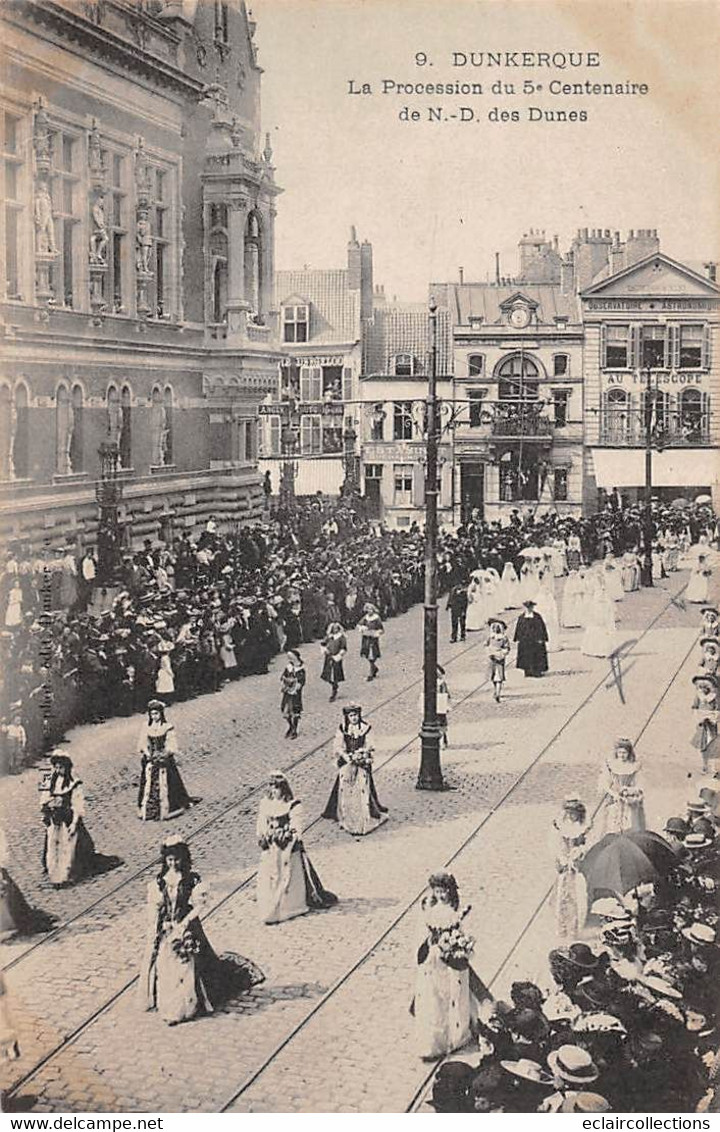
(430, 776)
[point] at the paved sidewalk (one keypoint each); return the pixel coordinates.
(375, 878)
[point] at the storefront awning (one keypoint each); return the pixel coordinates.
(617, 467)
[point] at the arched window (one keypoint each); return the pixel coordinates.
(167, 443)
(21, 437)
(476, 365)
(219, 273)
(518, 379)
(693, 417)
(6, 432)
(125, 439)
(617, 418)
(157, 428)
(114, 417)
(76, 451)
(404, 365)
(253, 264)
(63, 430)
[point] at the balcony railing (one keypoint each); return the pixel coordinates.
(671, 430)
(521, 421)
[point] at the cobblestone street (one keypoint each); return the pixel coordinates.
(329, 1029)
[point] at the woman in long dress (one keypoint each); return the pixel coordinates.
(574, 553)
(162, 794)
(546, 606)
(476, 618)
(613, 578)
(165, 679)
(630, 571)
(697, 588)
(287, 884)
(334, 646)
(559, 557)
(371, 630)
(600, 636)
(569, 833)
(292, 682)
(14, 611)
(16, 915)
(69, 851)
(447, 990)
(353, 802)
(491, 593)
(705, 712)
(181, 975)
(509, 587)
(572, 615)
(622, 808)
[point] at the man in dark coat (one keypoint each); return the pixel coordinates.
(531, 636)
(457, 603)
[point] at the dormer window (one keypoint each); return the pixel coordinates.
(295, 324)
(404, 366)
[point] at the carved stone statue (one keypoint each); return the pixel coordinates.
(44, 227)
(42, 138)
(143, 244)
(95, 158)
(99, 236)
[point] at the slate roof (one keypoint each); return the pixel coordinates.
(334, 307)
(482, 300)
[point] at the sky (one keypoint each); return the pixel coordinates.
(434, 196)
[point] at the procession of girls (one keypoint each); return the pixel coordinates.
(182, 976)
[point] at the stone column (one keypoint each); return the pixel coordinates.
(237, 307)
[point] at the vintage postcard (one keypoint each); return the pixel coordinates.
(359, 522)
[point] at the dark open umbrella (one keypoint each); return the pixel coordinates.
(620, 861)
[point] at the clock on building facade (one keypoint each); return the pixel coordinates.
(519, 317)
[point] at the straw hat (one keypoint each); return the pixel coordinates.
(573, 1064)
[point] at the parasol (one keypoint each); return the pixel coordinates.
(678, 504)
(530, 552)
(703, 499)
(621, 861)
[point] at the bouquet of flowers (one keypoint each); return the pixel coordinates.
(632, 795)
(187, 947)
(455, 946)
(361, 758)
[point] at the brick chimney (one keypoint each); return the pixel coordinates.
(366, 279)
(640, 244)
(591, 253)
(353, 261)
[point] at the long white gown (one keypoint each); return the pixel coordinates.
(492, 594)
(509, 595)
(571, 896)
(573, 601)
(547, 607)
(444, 1006)
(281, 892)
(697, 589)
(600, 636)
(622, 808)
(613, 580)
(476, 616)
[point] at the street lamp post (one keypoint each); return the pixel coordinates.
(646, 569)
(430, 775)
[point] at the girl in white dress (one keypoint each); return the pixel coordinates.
(569, 832)
(546, 606)
(491, 593)
(476, 607)
(613, 578)
(697, 589)
(69, 851)
(559, 557)
(287, 884)
(447, 990)
(509, 596)
(573, 614)
(353, 801)
(622, 808)
(600, 637)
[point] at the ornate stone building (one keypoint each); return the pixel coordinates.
(138, 304)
